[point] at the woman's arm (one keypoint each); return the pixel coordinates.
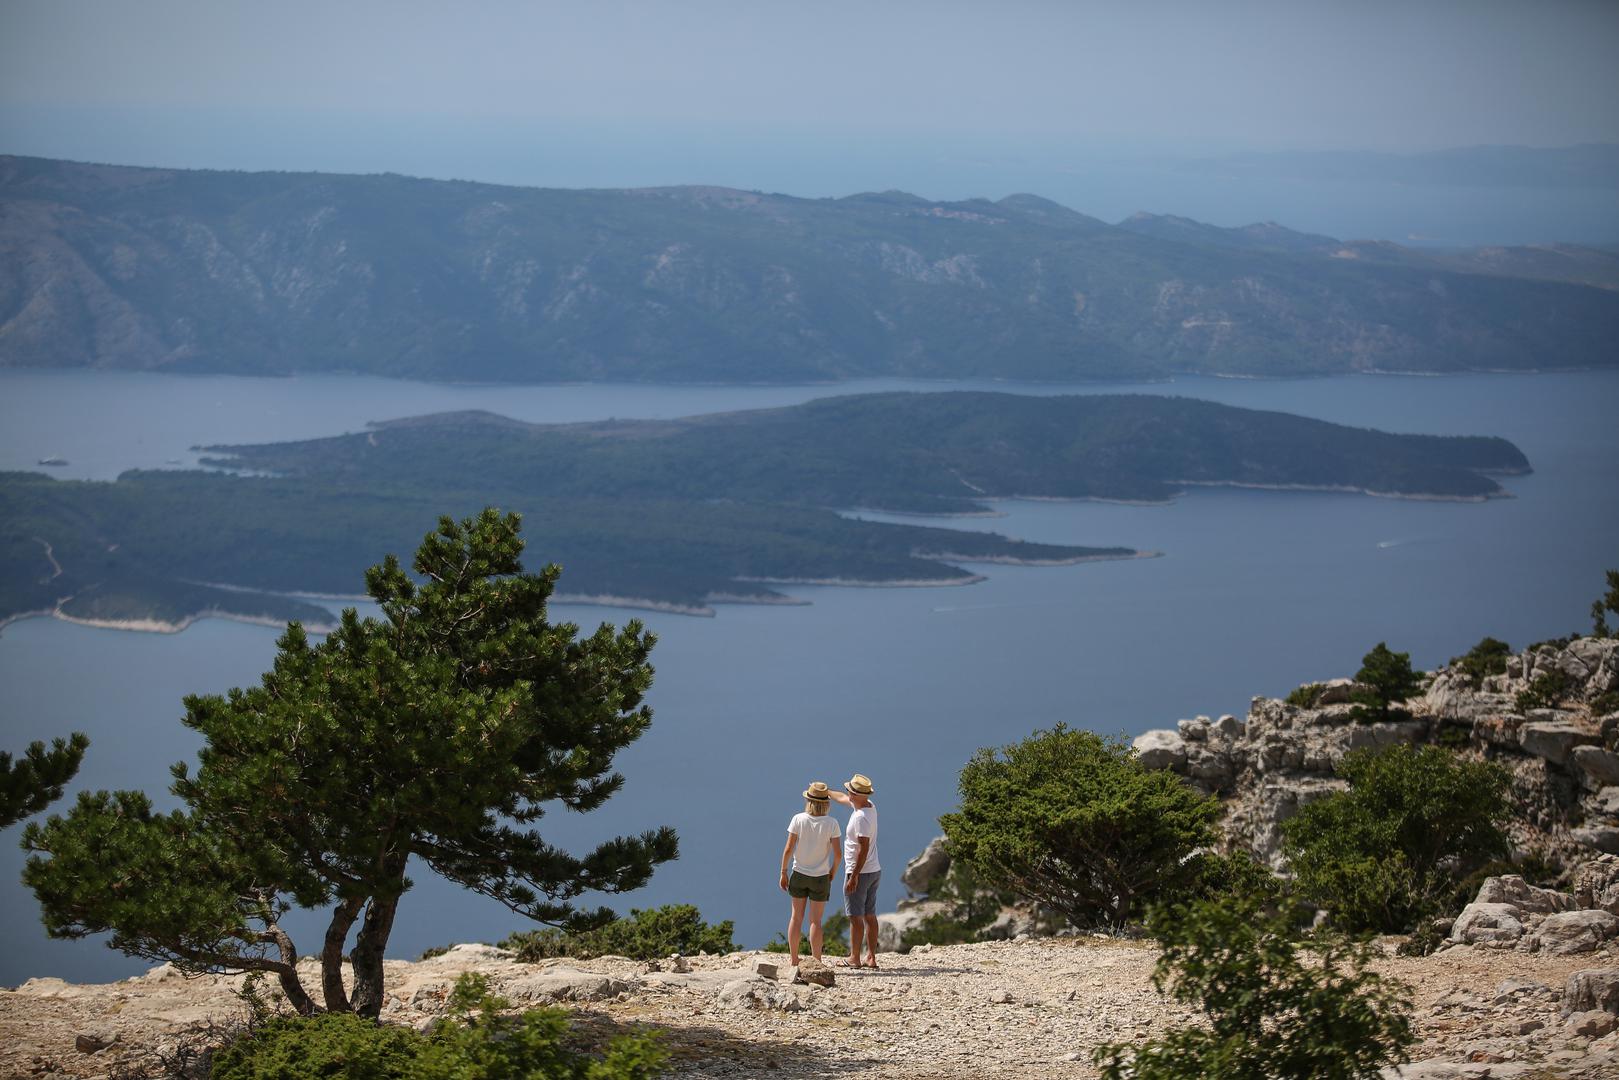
(786, 854)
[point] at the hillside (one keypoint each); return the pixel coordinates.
(116, 267)
(676, 514)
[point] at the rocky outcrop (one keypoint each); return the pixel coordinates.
(1563, 757)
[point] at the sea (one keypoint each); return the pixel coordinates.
(1254, 593)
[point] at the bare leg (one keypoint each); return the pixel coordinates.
(815, 909)
(857, 929)
(871, 938)
(793, 929)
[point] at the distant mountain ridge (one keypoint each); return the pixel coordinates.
(255, 273)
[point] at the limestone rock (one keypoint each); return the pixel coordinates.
(1573, 932)
(757, 993)
(1593, 1024)
(93, 1042)
(1597, 768)
(1596, 884)
(1513, 889)
(566, 984)
(815, 972)
(1593, 988)
(1554, 740)
(766, 970)
(1601, 837)
(922, 871)
(1160, 750)
(1487, 923)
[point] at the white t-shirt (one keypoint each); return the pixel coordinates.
(812, 856)
(862, 822)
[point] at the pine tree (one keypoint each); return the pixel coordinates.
(438, 732)
(38, 777)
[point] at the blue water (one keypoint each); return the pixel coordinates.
(1255, 592)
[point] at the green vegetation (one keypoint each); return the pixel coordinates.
(643, 935)
(1304, 696)
(834, 938)
(1388, 852)
(1488, 657)
(673, 512)
(1073, 823)
(1547, 690)
(438, 731)
(37, 778)
(487, 1045)
(454, 280)
(973, 903)
(1387, 678)
(1605, 605)
(1278, 1003)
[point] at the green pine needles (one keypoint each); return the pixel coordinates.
(439, 732)
(37, 778)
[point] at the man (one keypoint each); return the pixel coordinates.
(861, 869)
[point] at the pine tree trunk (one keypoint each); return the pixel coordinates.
(368, 949)
(331, 955)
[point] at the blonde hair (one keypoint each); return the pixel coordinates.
(817, 807)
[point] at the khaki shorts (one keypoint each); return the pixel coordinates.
(804, 887)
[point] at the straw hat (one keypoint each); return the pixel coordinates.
(818, 792)
(859, 785)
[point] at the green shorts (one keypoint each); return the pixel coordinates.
(804, 887)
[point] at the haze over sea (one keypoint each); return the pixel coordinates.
(1257, 591)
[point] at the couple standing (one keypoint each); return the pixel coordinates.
(812, 848)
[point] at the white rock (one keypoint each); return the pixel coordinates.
(1573, 932)
(1554, 740)
(1513, 889)
(1597, 768)
(1596, 884)
(1160, 750)
(1592, 989)
(563, 984)
(1487, 923)
(924, 869)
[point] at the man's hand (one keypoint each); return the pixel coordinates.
(784, 881)
(849, 882)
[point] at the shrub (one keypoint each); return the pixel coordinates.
(1385, 853)
(1602, 605)
(1237, 874)
(1387, 677)
(972, 906)
(644, 935)
(1546, 691)
(1488, 657)
(1304, 696)
(1073, 823)
(1278, 1003)
(486, 1046)
(834, 938)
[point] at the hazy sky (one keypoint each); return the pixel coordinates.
(1406, 74)
(829, 97)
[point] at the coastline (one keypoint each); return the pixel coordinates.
(1348, 489)
(165, 626)
(1013, 560)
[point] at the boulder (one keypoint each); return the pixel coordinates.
(765, 969)
(93, 1042)
(1595, 767)
(564, 984)
(1336, 692)
(1592, 1025)
(1592, 989)
(757, 993)
(1596, 884)
(1228, 726)
(1606, 801)
(1160, 750)
(922, 871)
(892, 926)
(1487, 923)
(1514, 890)
(1196, 730)
(1573, 932)
(1498, 729)
(1554, 740)
(815, 973)
(1386, 733)
(1601, 837)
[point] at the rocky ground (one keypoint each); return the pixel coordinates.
(1025, 1008)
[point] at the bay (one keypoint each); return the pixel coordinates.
(1256, 591)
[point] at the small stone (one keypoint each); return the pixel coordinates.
(1527, 1026)
(766, 969)
(999, 997)
(93, 1042)
(679, 965)
(815, 973)
(1593, 1024)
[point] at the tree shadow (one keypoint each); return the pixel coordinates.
(707, 1047)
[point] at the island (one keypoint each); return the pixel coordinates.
(675, 515)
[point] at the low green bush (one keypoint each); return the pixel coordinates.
(1074, 824)
(1277, 1001)
(642, 935)
(1387, 852)
(482, 1045)
(1488, 657)
(1304, 696)
(1547, 690)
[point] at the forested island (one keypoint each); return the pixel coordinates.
(673, 514)
(277, 273)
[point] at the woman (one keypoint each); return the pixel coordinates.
(812, 845)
